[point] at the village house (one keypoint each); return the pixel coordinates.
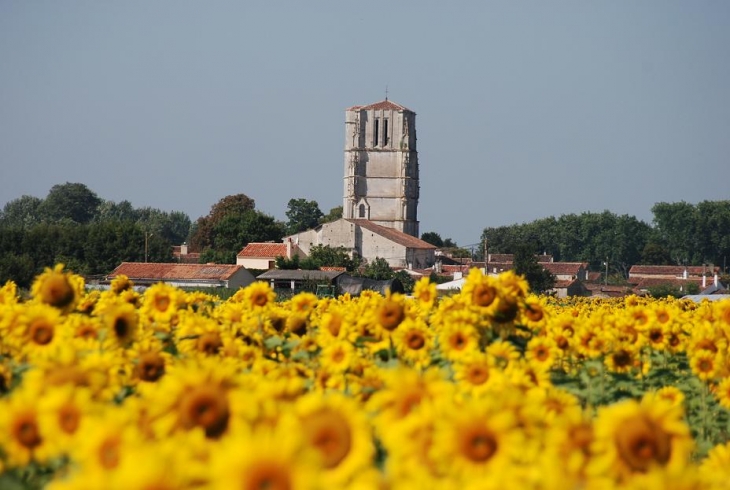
(184, 275)
(644, 277)
(365, 239)
(263, 255)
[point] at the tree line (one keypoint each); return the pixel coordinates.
(92, 236)
(682, 234)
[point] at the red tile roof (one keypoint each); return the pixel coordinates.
(648, 282)
(675, 270)
(263, 250)
(378, 106)
(393, 235)
(563, 268)
(170, 272)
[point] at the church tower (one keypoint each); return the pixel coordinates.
(381, 166)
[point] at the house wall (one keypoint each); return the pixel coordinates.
(255, 262)
(240, 279)
(371, 245)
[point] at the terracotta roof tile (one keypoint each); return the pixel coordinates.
(393, 235)
(676, 270)
(170, 271)
(564, 267)
(264, 250)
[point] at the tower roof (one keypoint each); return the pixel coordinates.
(379, 106)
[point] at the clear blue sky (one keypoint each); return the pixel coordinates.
(526, 109)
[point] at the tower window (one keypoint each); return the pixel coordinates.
(386, 140)
(376, 132)
(362, 210)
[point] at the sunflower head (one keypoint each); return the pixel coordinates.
(57, 288)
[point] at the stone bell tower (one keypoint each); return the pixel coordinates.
(381, 166)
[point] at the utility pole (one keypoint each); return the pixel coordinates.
(146, 239)
(486, 257)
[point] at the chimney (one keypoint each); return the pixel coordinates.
(685, 274)
(288, 248)
(716, 280)
(184, 249)
(704, 281)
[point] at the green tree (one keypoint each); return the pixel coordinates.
(655, 254)
(406, 280)
(302, 215)
(21, 212)
(433, 238)
(204, 230)
(525, 264)
(675, 224)
(70, 201)
(334, 214)
(328, 256)
(378, 269)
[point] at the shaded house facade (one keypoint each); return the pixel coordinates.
(644, 277)
(184, 275)
(296, 280)
(369, 240)
(263, 255)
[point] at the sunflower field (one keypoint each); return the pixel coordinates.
(492, 387)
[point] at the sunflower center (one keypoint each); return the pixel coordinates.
(122, 328)
(151, 366)
(477, 375)
(162, 303)
(26, 431)
(415, 340)
(87, 332)
(534, 314)
(109, 453)
(542, 353)
(267, 475)
(334, 325)
(69, 418)
(656, 335)
(478, 445)
(57, 291)
(391, 314)
(206, 407)
(298, 325)
(329, 432)
(209, 343)
(622, 358)
(662, 317)
(41, 333)
(259, 298)
(641, 443)
(338, 356)
(483, 295)
(458, 341)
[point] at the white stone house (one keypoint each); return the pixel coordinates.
(263, 256)
(368, 240)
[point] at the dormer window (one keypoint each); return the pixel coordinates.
(361, 211)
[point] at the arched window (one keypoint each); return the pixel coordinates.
(362, 210)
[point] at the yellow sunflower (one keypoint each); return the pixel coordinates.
(266, 458)
(476, 441)
(338, 430)
(633, 437)
(57, 288)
